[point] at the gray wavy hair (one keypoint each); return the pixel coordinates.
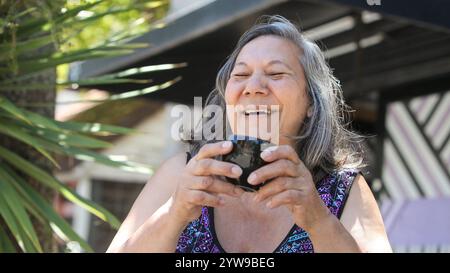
(323, 143)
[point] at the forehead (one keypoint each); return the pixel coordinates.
(268, 48)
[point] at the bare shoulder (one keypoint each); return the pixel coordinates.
(167, 170)
(155, 193)
(162, 184)
(362, 218)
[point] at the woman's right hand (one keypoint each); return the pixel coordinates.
(200, 185)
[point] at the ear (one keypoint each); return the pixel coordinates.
(309, 113)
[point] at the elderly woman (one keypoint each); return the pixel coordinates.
(316, 201)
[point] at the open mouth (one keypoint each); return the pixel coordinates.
(257, 112)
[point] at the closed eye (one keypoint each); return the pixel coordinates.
(277, 75)
(240, 76)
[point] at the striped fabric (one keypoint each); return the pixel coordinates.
(416, 162)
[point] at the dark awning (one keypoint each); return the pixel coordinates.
(409, 43)
(431, 14)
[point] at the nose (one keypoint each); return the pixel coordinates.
(256, 85)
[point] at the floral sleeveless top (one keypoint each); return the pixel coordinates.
(200, 237)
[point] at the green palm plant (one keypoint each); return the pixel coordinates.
(33, 35)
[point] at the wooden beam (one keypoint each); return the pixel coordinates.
(391, 54)
(367, 30)
(432, 14)
(395, 77)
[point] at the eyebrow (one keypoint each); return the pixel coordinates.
(269, 63)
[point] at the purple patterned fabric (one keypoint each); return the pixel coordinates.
(200, 237)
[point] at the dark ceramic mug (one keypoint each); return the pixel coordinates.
(246, 153)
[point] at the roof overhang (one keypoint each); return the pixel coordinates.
(414, 44)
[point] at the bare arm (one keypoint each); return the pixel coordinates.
(360, 229)
(173, 197)
(362, 218)
(155, 199)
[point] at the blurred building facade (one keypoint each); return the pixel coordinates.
(113, 188)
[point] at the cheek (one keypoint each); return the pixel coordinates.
(295, 104)
(231, 93)
(231, 98)
(291, 93)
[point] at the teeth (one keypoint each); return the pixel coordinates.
(254, 111)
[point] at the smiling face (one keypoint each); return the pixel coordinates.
(267, 72)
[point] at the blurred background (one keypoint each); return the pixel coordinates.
(392, 57)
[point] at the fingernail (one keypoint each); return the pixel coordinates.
(265, 154)
(270, 149)
(221, 201)
(269, 204)
(236, 170)
(226, 144)
(251, 178)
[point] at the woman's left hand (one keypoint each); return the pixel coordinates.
(292, 186)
